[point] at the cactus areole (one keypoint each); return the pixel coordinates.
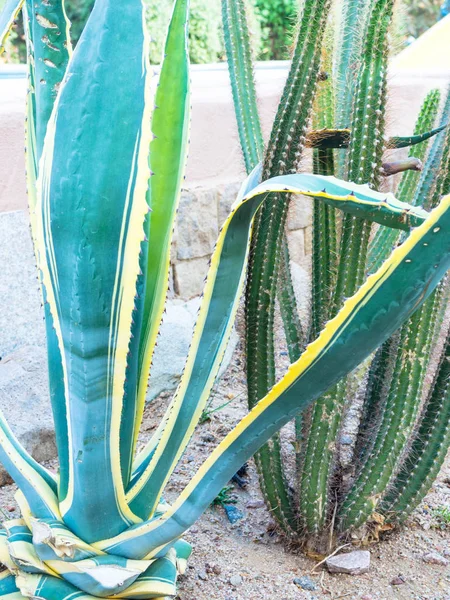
(106, 150)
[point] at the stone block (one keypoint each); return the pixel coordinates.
(302, 290)
(308, 241)
(197, 223)
(189, 277)
(24, 400)
(21, 315)
(300, 213)
(227, 197)
(296, 240)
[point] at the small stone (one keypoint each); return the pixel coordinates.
(351, 563)
(255, 504)
(236, 580)
(434, 558)
(305, 583)
(203, 576)
(346, 440)
(215, 569)
(233, 513)
(10, 508)
(367, 597)
(399, 580)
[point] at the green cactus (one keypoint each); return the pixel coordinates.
(348, 139)
(107, 146)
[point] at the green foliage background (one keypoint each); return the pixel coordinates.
(272, 25)
(206, 44)
(277, 21)
(420, 15)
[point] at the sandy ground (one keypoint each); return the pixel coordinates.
(249, 561)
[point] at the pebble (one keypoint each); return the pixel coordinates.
(351, 563)
(213, 569)
(434, 558)
(305, 583)
(399, 580)
(236, 580)
(346, 440)
(203, 576)
(233, 513)
(255, 504)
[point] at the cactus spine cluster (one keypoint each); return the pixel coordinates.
(347, 89)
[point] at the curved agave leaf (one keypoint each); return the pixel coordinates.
(48, 49)
(48, 588)
(366, 320)
(168, 153)
(8, 15)
(143, 459)
(37, 483)
(158, 581)
(8, 588)
(216, 316)
(21, 549)
(89, 264)
(100, 576)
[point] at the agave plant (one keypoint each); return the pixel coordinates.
(106, 149)
(338, 79)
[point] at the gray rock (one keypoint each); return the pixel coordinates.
(228, 194)
(305, 583)
(173, 346)
(203, 576)
(197, 223)
(300, 213)
(21, 316)
(189, 276)
(236, 580)
(255, 504)
(434, 558)
(302, 289)
(346, 440)
(351, 563)
(24, 400)
(297, 246)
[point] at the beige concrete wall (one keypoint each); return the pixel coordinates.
(215, 167)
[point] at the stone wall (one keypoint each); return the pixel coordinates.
(202, 212)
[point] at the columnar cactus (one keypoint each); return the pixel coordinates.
(349, 92)
(106, 151)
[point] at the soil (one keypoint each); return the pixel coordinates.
(250, 560)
